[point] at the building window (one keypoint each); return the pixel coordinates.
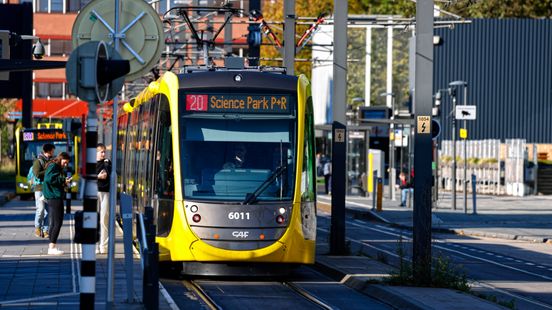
(60, 47)
(76, 5)
(56, 6)
(42, 6)
(49, 90)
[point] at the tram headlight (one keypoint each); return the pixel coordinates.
(238, 78)
(23, 185)
(280, 219)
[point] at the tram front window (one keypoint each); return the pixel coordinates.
(31, 150)
(234, 160)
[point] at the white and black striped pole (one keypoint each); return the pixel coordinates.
(90, 214)
(91, 72)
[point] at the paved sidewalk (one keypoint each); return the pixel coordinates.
(516, 218)
(31, 279)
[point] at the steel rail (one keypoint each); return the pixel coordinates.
(303, 293)
(196, 288)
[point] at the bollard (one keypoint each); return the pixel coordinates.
(379, 194)
(126, 213)
(374, 189)
(151, 261)
(474, 193)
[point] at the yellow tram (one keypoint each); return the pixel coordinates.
(226, 158)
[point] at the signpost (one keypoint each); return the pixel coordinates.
(465, 112)
(137, 27)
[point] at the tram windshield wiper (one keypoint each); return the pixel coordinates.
(252, 197)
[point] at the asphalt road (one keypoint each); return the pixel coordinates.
(508, 270)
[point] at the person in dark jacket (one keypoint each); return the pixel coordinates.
(39, 169)
(103, 169)
(406, 188)
(53, 188)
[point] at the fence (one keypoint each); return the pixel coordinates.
(499, 168)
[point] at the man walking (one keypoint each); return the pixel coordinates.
(39, 168)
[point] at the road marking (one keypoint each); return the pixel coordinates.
(531, 301)
(530, 264)
(468, 255)
(74, 258)
(29, 300)
(168, 297)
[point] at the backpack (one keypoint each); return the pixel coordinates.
(32, 179)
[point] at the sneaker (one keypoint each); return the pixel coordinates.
(45, 235)
(38, 232)
(55, 251)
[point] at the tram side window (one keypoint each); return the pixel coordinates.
(164, 178)
(150, 125)
(132, 155)
(308, 176)
(122, 128)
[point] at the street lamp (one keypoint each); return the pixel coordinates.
(453, 94)
(392, 173)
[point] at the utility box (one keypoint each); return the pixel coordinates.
(376, 167)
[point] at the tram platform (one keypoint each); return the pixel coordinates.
(32, 279)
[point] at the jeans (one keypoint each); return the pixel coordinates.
(41, 215)
(55, 206)
(404, 194)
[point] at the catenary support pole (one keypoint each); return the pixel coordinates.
(465, 187)
(339, 130)
(113, 178)
(421, 252)
(289, 36)
(454, 163)
(90, 223)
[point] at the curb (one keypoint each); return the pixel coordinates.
(364, 286)
(6, 196)
(370, 214)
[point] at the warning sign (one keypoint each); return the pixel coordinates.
(424, 124)
(340, 135)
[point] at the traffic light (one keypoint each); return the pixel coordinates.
(254, 38)
(436, 110)
(95, 72)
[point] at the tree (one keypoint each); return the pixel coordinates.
(501, 8)
(6, 105)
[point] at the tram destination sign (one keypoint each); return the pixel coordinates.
(44, 135)
(238, 103)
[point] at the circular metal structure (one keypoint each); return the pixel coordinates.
(141, 32)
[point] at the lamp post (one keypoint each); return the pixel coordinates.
(392, 173)
(453, 94)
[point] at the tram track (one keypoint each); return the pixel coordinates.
(194, 287)
(308, 296)
(224, 294)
